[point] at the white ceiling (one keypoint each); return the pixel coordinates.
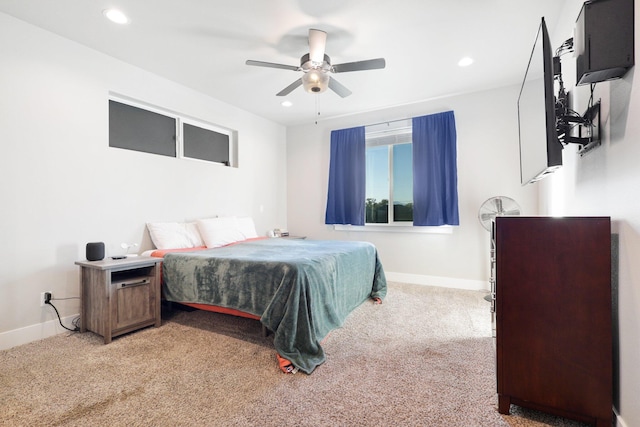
(203, 44)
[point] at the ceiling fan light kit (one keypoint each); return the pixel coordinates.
(315, 81)
(316, 66)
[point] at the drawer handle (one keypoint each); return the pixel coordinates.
(132, 284)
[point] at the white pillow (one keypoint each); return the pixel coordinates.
(174, 235)
(247, 227)
(218, 232)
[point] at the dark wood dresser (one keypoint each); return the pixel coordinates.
(553, 316)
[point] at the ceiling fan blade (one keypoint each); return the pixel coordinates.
(369, 64)
(317, 44)
(338, 88)
(287, 90)
(272, 65)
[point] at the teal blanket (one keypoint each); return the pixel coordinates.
(301, 289)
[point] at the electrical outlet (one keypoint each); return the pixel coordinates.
(45, 297)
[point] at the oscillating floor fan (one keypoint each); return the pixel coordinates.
(496, 206)
(489, 210)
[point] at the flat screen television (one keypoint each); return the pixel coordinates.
(540, 148)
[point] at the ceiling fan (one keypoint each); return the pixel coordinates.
(317, 67)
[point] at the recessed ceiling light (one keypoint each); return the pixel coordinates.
(465, 62)
(286, 103)
(116, 16)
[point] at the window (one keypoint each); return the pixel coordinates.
(389, 173)
(134, 128)
(377, 170)
(206, 143)
(138, 127)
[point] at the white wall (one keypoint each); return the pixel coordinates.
(488, 165)
(61, 186)
(605, 182)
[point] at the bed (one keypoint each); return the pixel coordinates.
(299, 289)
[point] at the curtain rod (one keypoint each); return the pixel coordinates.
(401, 126)
(388, 122)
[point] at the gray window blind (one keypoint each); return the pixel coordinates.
(205, 144)
(136, 129)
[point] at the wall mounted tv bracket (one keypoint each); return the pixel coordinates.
(571, 127)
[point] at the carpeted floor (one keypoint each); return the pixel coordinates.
(425, 357)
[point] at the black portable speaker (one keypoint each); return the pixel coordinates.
(95, 251)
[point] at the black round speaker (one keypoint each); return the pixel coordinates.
(95, 251)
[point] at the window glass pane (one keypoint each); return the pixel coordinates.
(205, 144)
(136, 129)
(402, 182)
(377, 192)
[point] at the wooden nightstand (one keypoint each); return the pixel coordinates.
(119, 296)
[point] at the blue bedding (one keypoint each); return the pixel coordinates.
(300, 289)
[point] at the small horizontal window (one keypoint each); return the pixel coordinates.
(134, 128)
(152, 130)
(206, 144)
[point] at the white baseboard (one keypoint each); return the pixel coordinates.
(619, 422)
(443, 282)
(35, 332)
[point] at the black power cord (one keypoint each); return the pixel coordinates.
(76, 329)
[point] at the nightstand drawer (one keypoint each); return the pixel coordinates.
(134, 304)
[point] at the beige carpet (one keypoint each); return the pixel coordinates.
(425, 357)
